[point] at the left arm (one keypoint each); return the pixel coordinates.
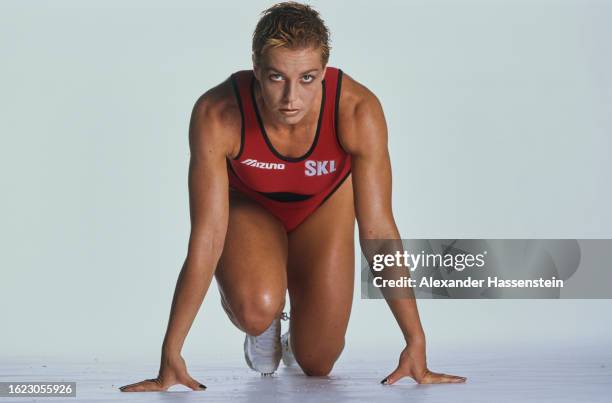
(364, 119)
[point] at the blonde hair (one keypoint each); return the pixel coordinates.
(292, 25)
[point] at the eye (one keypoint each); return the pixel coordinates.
(276, 77)
(308, 78)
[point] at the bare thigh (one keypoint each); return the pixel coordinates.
(321, 271)
(251, 272)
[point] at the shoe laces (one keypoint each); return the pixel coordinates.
(267, 340)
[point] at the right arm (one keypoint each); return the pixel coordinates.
(210, 144)
(209, 209)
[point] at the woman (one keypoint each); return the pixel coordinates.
(284, 158)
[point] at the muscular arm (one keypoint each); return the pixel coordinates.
(364, 134)
(212, 130)
(208, 200)
(364, 119)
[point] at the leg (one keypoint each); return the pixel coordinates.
(321, 271)
(251, 273)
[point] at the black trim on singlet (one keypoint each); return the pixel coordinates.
(265, 134)
(337, 108)
(237, 94)
(231, 167)
(336, 187)
(285, 197)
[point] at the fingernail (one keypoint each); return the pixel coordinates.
(384, 381)
(202, 386)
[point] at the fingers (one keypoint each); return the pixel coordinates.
(194, 385)
(427, 378)
(393, 377)
(154, 385)
(433, 377)
(148, 385)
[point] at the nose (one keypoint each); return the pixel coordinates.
(290, 93)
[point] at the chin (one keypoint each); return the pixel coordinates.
(291, 120)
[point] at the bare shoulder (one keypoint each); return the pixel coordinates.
(361, 119)
(216, 121)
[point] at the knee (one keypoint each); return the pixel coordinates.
(255, 313)
(319, 362)
(318, 368)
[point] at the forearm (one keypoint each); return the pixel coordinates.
(191, 287)
(407, 316)
(401, 302)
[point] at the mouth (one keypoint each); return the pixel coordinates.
(286, 111)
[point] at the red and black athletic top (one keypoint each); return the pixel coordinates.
(289, 187)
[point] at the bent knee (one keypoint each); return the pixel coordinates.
(317, 368)
(255, 314)
(318, 363)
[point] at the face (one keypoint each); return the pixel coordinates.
(290, 82)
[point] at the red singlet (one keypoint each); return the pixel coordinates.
(291, 188)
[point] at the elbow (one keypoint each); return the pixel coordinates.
(381, 229)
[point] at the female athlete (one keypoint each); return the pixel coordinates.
(284, 158)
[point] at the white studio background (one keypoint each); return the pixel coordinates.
(499, 127)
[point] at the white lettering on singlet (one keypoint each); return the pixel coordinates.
(318, 168)
(263, 165)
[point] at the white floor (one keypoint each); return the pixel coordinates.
(572, 375)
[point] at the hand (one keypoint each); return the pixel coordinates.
(412, 363)
(172, 371)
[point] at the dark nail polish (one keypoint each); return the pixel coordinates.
(384, 381)
(202, 386)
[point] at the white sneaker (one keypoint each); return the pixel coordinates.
(288, 358)
(263, 353)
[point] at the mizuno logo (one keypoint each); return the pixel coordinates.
(262, 165)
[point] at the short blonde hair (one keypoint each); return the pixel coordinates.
(292, 25)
